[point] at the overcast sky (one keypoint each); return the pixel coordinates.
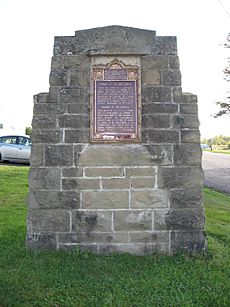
(28, 27)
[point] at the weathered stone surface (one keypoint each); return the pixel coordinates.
(177, 95)
(116, 183)
(150, 237)
(74, 95)
(72, 172)
(187, 154)
(143, 183)
(171, 77)
(41, 98)
(93, 237)
(166, 45)
(156, 94)
(180, 177)
(160, 136)
(79, 62)
(78, 78)
(189, 108)
(194, 241)
(190, 136)
(132, 220)
(90, 221)
(174, 62)
(149, 199)
(74, 121)
(54, 199)
(154, 62)
(156, 121)
(184, 219)
(105, 199)
(140, 172)
(80, 184)
(153, 108)
(117, 155)
(36, 157)
(49, 108)
(151, 77)
(77, 108)
(103, 171)
(161, 154)
(190, 121)
(139, 249)
(58, 155)
(189, 98)
(44, 178)
(113, 40)
(48, 220)
(39, 240)
(45, 136)
(186, 198)
(54, 93)
(76, 135)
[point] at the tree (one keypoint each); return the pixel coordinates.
(28, 131)
(225, 105)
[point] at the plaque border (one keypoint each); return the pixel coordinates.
(97, 74)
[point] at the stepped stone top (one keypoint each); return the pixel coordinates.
(113, 40)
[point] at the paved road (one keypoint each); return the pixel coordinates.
(217, 171)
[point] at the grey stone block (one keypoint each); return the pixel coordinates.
(103, 172)
(180, 177)
(80, 184)
(77, 95)
(187, 198)
(54, 93)
(129, 220)
(150, 237)
(151, 77)
(174, 62)
(161, 154)
(160, 136)
(143, 183)
(187, 154)
(72, 172)
(189, 121)
(58, 77)
(76, 135)
(49, 108)
(149, 199)
(177, 95)
(44, 178)
(58, 155)
(111, 40)
(156, 121)
(116, 183)
(105, 199)
(153, 108)
(190, 136)
(48, 221)
(79, 62)
(78, 78)
(189, 108)
(156, 94)
(93, 237)
(154, 62)
(172, 77)
(192, 242)
(77, 108)
(166, 45)
(189, 98)
(74, 121)
(184, 219)
(46, 136)
(92, 221)
(54, 199)
(138, 249)
(41, 98)
(36, 157)
(140, 172)
(39, 240)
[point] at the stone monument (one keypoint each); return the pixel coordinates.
(116, 158)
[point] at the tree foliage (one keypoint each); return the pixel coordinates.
(28, 131)
(224, 106)
(217, 140)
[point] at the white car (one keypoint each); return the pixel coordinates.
(15, 148)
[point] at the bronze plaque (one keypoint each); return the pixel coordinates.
(114, 109)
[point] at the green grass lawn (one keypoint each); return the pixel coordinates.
(227, 152)
(29, 278)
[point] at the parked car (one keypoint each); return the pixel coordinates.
(15, 148)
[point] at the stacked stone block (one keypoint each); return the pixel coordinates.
(137, 198)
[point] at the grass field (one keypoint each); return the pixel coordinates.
(81, 279)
